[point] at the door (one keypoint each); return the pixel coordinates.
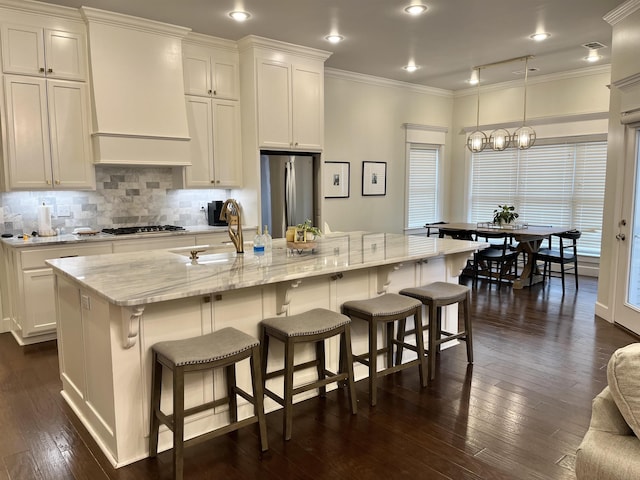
(274, 112)
(627, 291)
(308, 108)
(65, 54)
(227, 155)
(22, 50)
(200, 121)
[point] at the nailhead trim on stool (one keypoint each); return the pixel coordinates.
(435, 296)
(220, 349)
(314, 326)
(387, 309)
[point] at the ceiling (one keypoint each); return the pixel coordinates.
(380, 38)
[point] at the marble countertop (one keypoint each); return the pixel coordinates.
(67, 238)
(129, 279)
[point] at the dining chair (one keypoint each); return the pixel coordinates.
(498, 255)
(435, 226)
(566, 255)
(455, 233)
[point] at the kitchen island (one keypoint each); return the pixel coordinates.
(112, 308)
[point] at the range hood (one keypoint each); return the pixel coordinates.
(139, 111)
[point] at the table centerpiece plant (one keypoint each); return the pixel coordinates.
(309, 231)
(504, 214)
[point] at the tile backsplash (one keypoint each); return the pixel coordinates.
(124, 196)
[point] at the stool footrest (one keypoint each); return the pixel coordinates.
(231, 427)
(397, 368)
(300, 366)
(309, 386)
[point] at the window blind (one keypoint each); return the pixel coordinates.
(548, 184)
(422, 193)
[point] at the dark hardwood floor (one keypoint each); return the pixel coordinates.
(518, 413)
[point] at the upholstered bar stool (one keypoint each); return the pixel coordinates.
(386, 310)
(220, 349)
(313, 326)
(435, 296)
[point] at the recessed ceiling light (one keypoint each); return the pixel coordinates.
(593, 56)
(540, 36)
(239, 15)
(411, 67)
(416, 9)
(333, 38)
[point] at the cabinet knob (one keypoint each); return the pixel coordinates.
(57, 182)
(213, 181)
(209, 92)
(215, 92)
(49, 70)
(296, 144)
(217, 181)
(41, 69)
(48, 182)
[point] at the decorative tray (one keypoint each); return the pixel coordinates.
(497, 226)
(302, 246)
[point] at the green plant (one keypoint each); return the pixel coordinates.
(504, 214)
(307, 226)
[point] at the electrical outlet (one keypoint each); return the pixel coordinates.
(203, 205)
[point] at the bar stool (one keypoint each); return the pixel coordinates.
(223, 348)
(387, 309)
(313, 326)
(435, 296)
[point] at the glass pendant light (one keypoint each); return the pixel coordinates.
(524, 137)
(477, 141)
(499, 139)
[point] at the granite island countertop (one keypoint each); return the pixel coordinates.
(129, 279)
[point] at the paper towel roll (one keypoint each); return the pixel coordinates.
(44, 221)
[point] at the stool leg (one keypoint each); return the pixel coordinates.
(264, 351)
(417, 319)
(389, 342)
(156, 388)
(320, 365)
(230, 372)
(400, 337)
(178, 423)
(433, 333)
(373, 362)
(439, 329)
(467, 327)
(346, 358)
(288, 388)
(258, 397)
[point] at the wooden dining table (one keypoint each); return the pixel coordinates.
(529, 238)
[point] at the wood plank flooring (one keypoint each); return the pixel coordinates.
(518, 413)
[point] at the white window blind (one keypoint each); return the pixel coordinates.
(559, 185)
(422, 193)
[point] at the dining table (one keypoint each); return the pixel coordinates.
(529, 238)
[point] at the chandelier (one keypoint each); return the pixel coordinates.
(500, 139)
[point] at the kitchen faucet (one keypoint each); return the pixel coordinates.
(231, 214)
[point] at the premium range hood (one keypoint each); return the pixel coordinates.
(139, 112)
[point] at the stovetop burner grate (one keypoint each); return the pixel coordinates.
(143, 229)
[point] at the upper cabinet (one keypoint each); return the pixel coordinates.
(210, 67)
(283, 88)
(43, 52)
(290, 105)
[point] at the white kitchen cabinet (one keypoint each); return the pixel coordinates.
(31, 286)
(210, 72)
(48, 136)
(290, 105)
(215, 147)
(29, 50)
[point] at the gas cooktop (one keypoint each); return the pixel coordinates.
(143, 229)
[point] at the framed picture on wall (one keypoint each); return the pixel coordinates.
(336, 179)
(374, 178)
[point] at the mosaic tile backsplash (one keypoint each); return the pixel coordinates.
(124, 196)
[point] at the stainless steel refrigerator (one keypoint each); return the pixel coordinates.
(288, 185)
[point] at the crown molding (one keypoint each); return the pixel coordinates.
(40, 8)
(579, 117)
(621, 12)
(582, 72)
(426, 128)
(254, 41)
(209, 41)
(385, 82)
(94, 15)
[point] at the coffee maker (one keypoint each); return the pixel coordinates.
(213, 213)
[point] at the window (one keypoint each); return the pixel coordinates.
(422, 191)
(556, 185)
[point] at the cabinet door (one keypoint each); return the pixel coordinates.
(225, 77)
(65, 55)
(23, 50)
(197, 72)
(274, 105)
(39, 302)
(69, 129)
(27, 133)
(227, 155)
(307, 108)
(200, 121)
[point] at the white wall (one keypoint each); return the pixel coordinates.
(364, 120)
